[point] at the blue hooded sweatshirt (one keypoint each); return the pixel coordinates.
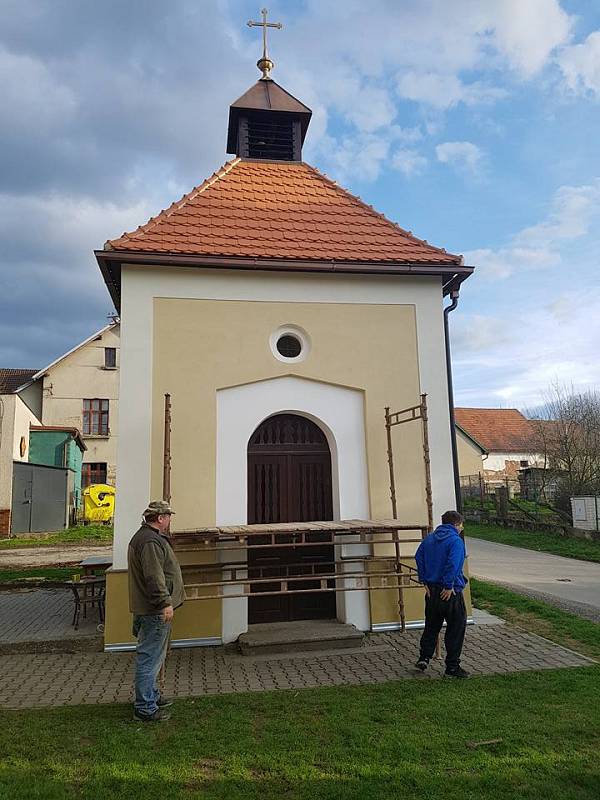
(440, 558)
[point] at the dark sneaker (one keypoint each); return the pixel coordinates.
(422, 664)
(158, 716)
(459, 672)
(164, 702)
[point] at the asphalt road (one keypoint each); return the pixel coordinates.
(571, 584)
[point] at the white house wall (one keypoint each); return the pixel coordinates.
(496, 462)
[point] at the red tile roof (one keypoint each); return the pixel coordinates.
(503, 430)
(276, 209)
(13, 379)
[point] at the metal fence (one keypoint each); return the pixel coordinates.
(525, 502)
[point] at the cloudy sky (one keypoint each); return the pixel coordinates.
(473, 124)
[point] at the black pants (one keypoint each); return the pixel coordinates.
(454, 612)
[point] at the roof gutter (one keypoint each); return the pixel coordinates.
(454, 295)
(110, 262)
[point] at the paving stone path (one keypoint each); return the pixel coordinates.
(42, 615)
(57, 679)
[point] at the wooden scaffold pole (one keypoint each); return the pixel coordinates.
(398, 418)
(166, 493)
(167, 451)
(427, 461)
(390, 452)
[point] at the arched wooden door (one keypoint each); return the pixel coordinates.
(289, 480)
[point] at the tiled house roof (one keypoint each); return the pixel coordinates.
(503, 430)
(278, 209)
(13, 379)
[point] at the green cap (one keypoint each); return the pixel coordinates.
(158, 507)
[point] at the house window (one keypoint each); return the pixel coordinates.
(524, 463)
(95, 417)
(92, 473)
(110, 357)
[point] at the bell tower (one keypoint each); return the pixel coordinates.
(267, 122)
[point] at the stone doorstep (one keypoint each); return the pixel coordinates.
(291, 637)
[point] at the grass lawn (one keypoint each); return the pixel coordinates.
(45, 573)
(400, 740)
(80, 534)
(566, 629)
(408, 739)
(547, 542)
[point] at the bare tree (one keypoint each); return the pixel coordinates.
(566, 433)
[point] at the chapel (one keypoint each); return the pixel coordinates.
(279, 316)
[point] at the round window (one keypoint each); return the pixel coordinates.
(289, 346)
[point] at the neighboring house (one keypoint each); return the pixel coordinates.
(64, 418)
(81, 390)
(506, 434)
(471, 453)
(282, 314)
(19, 400)
(40, 468)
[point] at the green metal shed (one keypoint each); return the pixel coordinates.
(58, 447)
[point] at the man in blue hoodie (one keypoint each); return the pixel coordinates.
(440, 559)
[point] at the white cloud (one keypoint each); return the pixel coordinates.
(445, 91)
(477, 333)
(358, 156)
(362, 155)
(408, 161)
(463, 155)
(572, 214)
(573, 210)
(408, 135)
(580, 65)
(528, 31)
(366, 58)
(63, 231)
(33, 95)
(516, 356)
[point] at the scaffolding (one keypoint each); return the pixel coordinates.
(400, 418)
(366, 572)
(349, 572)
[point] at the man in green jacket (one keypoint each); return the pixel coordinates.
(155, 590)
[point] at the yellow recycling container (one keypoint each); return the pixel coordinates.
(98, 503)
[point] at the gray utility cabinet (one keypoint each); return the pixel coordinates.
(40, 498)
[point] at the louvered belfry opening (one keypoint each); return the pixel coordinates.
(270, 136)
(270, 139)
(289, 480)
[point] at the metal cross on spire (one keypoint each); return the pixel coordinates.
(265, 64)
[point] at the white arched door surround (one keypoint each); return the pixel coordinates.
(339, 412)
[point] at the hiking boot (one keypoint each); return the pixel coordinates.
(422, 664)
(164, 702)
(459, 672)
(158, 716)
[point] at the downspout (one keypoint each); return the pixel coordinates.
(454, 294)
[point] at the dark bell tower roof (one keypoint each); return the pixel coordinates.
(267, 122)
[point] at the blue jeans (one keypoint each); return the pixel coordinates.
(153, 640)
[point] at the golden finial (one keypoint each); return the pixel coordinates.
(265, 64)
